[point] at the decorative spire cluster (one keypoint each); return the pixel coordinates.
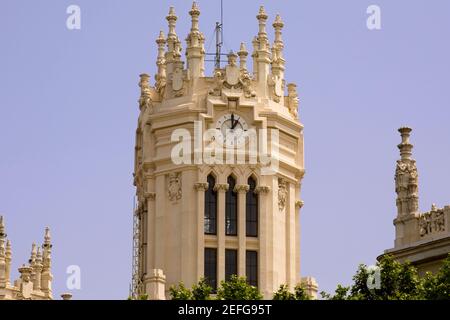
(35, 278)
(266, 81)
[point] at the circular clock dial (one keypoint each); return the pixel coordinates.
(233, 129)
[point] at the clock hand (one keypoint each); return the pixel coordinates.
(235, 123)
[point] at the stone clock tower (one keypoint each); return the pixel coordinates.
(218, 167)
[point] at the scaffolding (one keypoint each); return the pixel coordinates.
(135, 288)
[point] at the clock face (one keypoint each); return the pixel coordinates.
(233, 129)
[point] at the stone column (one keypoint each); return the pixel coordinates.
(242, 190)
(298, 206)
(264, 240)
(291, 247)
(151, 214)
(201, 187)
(221, 188)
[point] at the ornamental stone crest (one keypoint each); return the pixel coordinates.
(293, 100)
(282, 194)
(174, 187)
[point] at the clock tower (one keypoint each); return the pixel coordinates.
(218, 167)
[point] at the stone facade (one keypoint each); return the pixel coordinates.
(171, 197)
(35, 281)
(421, 238)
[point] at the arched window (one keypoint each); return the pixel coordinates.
(231, 208)
(251, 210)
(211, 207)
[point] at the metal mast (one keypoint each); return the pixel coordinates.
(218, 30)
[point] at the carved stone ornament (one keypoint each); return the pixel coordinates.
(177, 82)
(232, 75)
(293, 100)
(282, 194)
(174, 187)
(201, 186)
(218, 83)
(241, 188)
(432, 222)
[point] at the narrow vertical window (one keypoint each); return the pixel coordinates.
(230, 263)
(210, 207)
(210, 270)
(251, 210)
(231, 208)
(251, 266)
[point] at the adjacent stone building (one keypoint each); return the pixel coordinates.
(202, 217)
(35, 281)
(421, 238)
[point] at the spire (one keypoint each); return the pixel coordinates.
(173, 46)
(262, 34)
(242, 53)
(194, 13)
(278, 25)
(406, 178)
(255, 57)
(46, 248)
(2, 237)
(195, 41)
(32, 260)
(263, 54)
(405, 147)
(161, 64)
(8, 257)
(172, 35)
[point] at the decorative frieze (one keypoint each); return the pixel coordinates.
(432, 222)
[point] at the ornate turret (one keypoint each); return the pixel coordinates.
(256, 110)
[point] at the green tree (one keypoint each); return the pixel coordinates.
(299, 293)
(201, 290)
(237, 288)
(180, 292)
(398, 281)
(437, 287)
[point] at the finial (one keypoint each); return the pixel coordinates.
(278, 23)
(47, 234)
(195, 11)
(8, 246)
(262, 13)
(243, 53)
(171, 15)
(161, 38)
(405, 146)
(433, 207)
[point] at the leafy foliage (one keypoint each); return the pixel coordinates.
(299, 293)
(398, 281)
(237, 288)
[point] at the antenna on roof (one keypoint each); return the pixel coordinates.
(219, 37)
(218, 30)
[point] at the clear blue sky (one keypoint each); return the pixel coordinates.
(68, 110)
